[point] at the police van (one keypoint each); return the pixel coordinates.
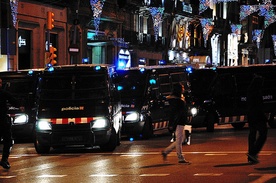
(220, 94)
(77, 105)
(22, 85)
(143, 94)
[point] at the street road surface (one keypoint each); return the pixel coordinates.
(217, 157)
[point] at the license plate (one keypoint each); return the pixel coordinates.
(72, 139)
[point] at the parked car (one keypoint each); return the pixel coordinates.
(77, 105)
(22, 85)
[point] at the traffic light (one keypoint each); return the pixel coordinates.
(53, 56)
(50, 20)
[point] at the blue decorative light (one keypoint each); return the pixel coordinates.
(97, 7)
(156, 14)
(257, 35)
(274, 43)
(236, 28)
(14, 7)
(207, 26)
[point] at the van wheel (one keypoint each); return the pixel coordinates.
(41, 149)
(210, 123)
(112, 143)
(147, 130)
(238, 126)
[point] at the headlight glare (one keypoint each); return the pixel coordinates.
(44, 125)
(194, 111)
(20, 119)
(100, 123)
(133, 116)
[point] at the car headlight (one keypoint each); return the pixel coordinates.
(100, 123)
(20, 119)
(44, 125)
(194, 111)
(133, 116)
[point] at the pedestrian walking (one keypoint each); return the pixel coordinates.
(5, 125)
(257, 120)
(177, 121)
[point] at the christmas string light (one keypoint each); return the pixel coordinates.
(97, 7)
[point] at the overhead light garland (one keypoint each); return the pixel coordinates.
(156, 14)
(97, 8)
(14, 11)
(274, 43)
(207, 26)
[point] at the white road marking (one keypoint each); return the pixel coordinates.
(6, 177)
(208, 174)
(103, 175)
(50, 176)
(154, 175)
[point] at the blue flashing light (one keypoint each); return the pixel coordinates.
(152, 81)
(133, 87)
(214, 68)
(119, 88)
(131, 139)
(51, 69)
(121, 64)
(142, 70)
(30, 72)
(189, 69)
(162, 62)
(97, 68)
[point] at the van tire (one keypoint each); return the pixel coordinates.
(210, 123)
(238, 126)
(112, 143)
(147, 130)
(41, 149)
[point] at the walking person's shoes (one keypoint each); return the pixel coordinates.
(164, 155)
(252, 159)
(183, 161)
(5, 164)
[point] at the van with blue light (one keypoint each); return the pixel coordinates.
(22, 85)
(77, 105)
(143, 97)
(221, 92)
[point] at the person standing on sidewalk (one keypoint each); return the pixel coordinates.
(177, 120)
(257, 120)
(5, 125)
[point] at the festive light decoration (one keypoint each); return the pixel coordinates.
(204, 4)
(274, 43)
(97, 7)
(156, 14)
(265, 9)
(14, 7)
(207, 26)
(236, 28)
(257, 36)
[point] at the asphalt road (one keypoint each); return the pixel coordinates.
(215, 157)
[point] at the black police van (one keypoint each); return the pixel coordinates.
(77, 105)
(22, 85)
(220, 94)
(143, 94)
